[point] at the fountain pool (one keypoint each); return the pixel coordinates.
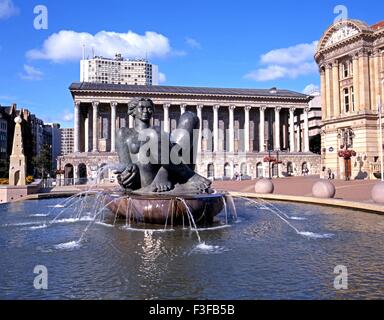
(272, 251)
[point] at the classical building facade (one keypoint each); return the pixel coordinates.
(350, 58)
(237, 128)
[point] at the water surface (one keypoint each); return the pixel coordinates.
(274, 251)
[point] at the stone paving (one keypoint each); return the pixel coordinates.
(355, 190)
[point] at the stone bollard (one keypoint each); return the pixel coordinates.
(264, 186)
(377, 193)
(324, 189)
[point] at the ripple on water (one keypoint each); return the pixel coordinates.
(313, 235)
(39, 215)
(42, 226)
(68, 245)
(203, 248)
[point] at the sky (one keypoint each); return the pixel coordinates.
(211, 43)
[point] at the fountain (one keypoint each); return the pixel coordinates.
(157, 172)
(267, 254)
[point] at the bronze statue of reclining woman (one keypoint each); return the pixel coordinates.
(156, 161)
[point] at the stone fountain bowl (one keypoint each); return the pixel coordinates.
(170, 209)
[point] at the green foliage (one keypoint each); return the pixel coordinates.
(4, 168)
(315, 144)
(42, 162)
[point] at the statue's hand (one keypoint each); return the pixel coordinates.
(126, 178)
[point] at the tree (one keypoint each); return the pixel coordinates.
(4, 168)
(315, 144)
(42, 162)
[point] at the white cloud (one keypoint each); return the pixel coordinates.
(7, 9)
(31, 73)
(162, 78)
(274, 72)
(66, 45)
(291, 62)
(292, 55)
(66, 116)
(311, 89)
(193, 43)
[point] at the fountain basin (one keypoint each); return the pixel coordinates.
(169, 209)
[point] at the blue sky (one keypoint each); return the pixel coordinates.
(249, 44)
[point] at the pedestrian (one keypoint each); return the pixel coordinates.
(329, 174)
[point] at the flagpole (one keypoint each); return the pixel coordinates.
(381, 137)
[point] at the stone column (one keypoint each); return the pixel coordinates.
(86, 133)
(356, 84)
(199, 111)
(232, 129)
(323, 94)
(216, 128)
(183, 108)
(298, 135)
(376, 78)
(76, 131)
(328, 90)
(292, 129)
(364, 81)
(113, 126)
(95, 131)
(277, 129)
(247, 109)
(306, 130)
(166, 117)
(336, 88)
(262, 129)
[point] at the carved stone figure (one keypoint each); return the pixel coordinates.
(155, 161)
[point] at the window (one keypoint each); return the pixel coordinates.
(352, 95)
(289, 168)
(346, 70)
(227, 170)
(346, 100)
(211, 170)
(259, 170)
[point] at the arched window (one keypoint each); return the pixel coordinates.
(259, 170)
(227, 170)
(304, 168)
(243, 169)
(82, 169)
(290, 168)
(275, 170)
(211, 170)
(68, 174)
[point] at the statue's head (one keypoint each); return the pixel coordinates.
(141, 108)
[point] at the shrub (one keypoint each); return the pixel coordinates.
(29, 179)
(4, 181)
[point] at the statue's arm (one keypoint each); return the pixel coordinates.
(122, 146)
(128, 177)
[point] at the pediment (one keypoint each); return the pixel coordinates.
(341, 31)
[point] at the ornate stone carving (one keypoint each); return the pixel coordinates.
(341, 34)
